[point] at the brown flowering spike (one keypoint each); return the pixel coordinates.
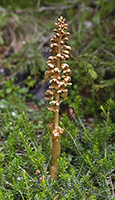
(58, 74)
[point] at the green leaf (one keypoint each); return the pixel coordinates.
(92, 72)
(102, 108)
(3, 103)
(1, 38)
(16, 17)
(8, 90)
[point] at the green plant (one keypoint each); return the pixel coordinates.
(84, 172)
(86, 167)
(12, 95)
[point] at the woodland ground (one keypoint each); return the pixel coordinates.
(87, 162)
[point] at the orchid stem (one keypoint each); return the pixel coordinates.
(58, 71)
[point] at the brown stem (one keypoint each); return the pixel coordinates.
(56, 67)
(56, 119)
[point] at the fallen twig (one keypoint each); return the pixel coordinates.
(112, 184)
(74, 141)
(32, 180)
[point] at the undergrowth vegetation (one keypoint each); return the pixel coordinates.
(86, 167)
